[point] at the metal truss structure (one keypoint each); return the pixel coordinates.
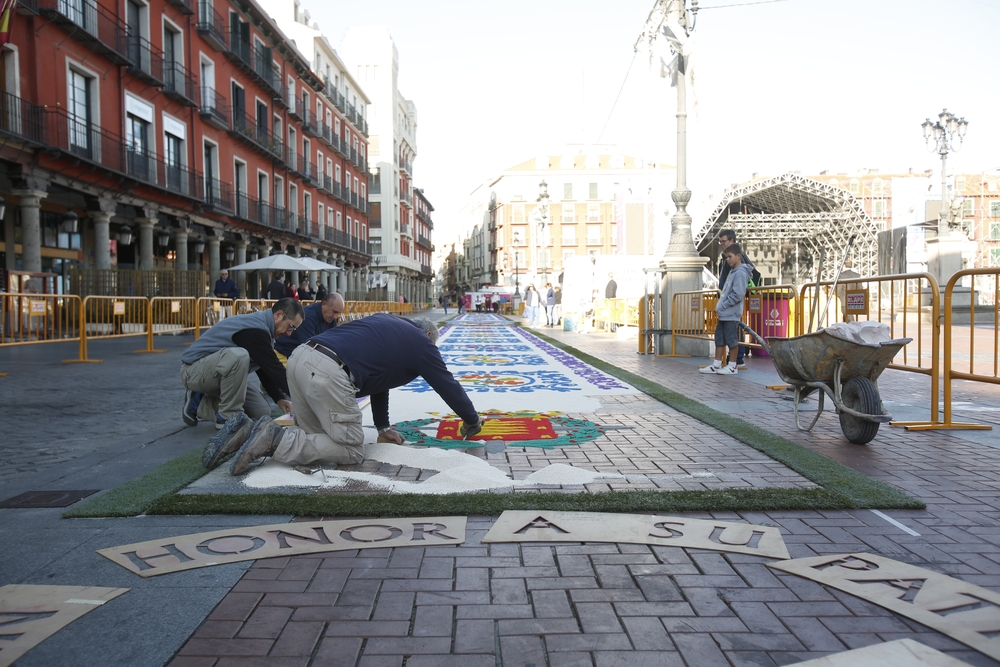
(791, 211)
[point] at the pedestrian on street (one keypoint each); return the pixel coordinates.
(727, 237)
(223, 371)
(276, 290)
(550, 305)
(531, 305)
(321, 292)
(367, 357)
(730, 312)
(225, 287)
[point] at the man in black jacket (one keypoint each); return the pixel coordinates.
(367, 357)
(276, 290)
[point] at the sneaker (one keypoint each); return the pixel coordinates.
(189, 411)
(741, 367)
(709, 369)
(467, 431)
(234, 433)
(220, 421)
(726, 370)
(262, 441)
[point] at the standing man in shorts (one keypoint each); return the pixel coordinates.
(730, 311)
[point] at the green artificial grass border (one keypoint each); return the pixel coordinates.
(859, 489)
(135, 497)
(841, 487)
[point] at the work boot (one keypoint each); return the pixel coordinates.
(467, 431)
(263, 440)
(189, 411)
(234, 433)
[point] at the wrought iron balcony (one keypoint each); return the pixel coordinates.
(309, 123)
(334, 189)
(218, 195)
(214, 108)
(423, 241)
(61, 132)
(89, 23)
(147, 60)
(22, 119)
(308, 170)
(326, 133)
(212, 27)
(338, 100)
(353, 156)
(340, 146)
(185, 6)
(326, 182)
(255, 61)
(180, 84)
(257, 135)
(354, 199)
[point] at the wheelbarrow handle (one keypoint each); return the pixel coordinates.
(763, 343)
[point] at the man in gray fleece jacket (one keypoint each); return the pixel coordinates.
(730, 311)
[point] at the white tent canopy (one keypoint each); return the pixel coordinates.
(285, 263)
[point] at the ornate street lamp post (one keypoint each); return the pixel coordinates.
(945, 252)
(681, 266)
(517, 267)
(944, 132)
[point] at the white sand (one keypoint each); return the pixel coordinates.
(458, 473)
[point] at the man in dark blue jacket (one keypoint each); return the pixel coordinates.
(225, 287)
(319, 317)
(367, 357)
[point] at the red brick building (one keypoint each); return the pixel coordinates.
(194, 124)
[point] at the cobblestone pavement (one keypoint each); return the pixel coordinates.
(57, 412)
(600, 605)
(593, 604)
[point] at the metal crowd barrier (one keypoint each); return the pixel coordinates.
(111, 317)
(30, 319)
(171, 314)
(909, 303)
(692, 315)
(244, 306)
(985, 334)
(210, 310)
(619, 312)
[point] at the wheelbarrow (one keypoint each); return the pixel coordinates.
(845, 370)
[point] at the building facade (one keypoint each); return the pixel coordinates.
(197, 129)
(521, 226)
(402, 262)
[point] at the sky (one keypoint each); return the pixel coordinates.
(782, 85)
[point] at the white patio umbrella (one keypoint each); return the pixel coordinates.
(274, 263)
(317, 265)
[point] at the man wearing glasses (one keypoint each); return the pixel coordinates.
(224, 370)
(318, 317)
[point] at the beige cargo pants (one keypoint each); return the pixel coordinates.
(327, 418)
(228, 387)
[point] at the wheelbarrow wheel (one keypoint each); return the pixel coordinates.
(861, 395)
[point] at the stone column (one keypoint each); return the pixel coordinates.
(341, 276)
(181, 246)
(146, 226)
(102, 239)
(241, 258)
(10, 259)
(31, 229)
(213, 259)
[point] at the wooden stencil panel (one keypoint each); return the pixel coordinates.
(31, 614)
(900, 652)
(186, 552)
(542, 526)
(968, 613)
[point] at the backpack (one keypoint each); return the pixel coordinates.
(755, 278)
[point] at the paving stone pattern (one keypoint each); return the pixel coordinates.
(623, 604)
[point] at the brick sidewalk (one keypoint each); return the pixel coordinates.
(617, 604)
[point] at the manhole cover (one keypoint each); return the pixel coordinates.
(47, 498)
